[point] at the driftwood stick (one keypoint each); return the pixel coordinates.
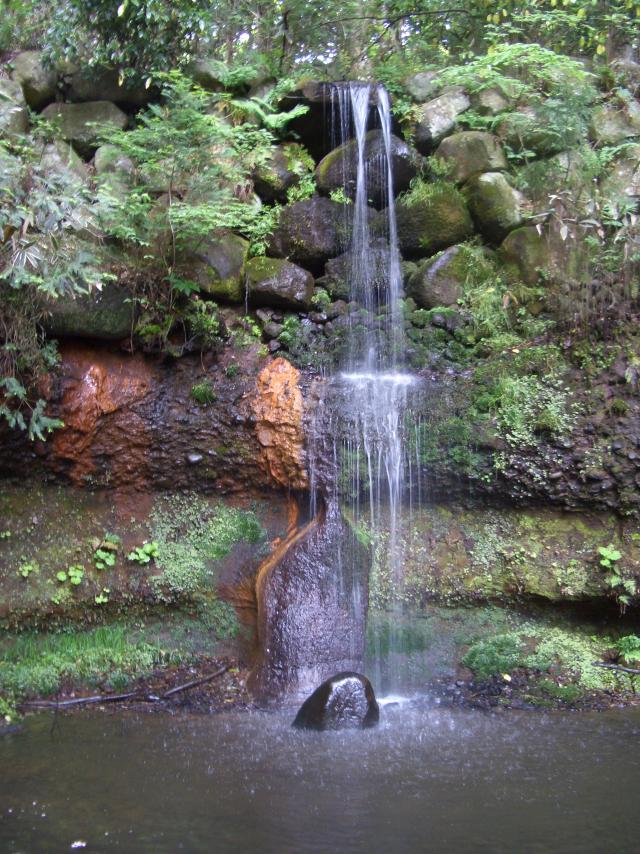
(194, 683)
(616, 667)
(78, 701)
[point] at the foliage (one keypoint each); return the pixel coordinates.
(73, 574)
(622, 586)
(28, 568)
(629, 648)
(497, 654)
(203, 393)
(144, 553)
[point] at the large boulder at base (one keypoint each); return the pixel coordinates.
(273, 281)
(105, 315)
(438, 119)
(346, 701)
(339, 168)
(470, 152)
(423, 85)
(106, 84)
(494, 204)
(289, 162)
(14, 116)
(311, 231)
(611, 125)
(439, 281)
(432, 219)
(218, 266)
(37, 81)
(82, 124)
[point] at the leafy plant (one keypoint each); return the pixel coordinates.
(74, 574)
(629, 648)
(103, 597)
(203, 393)
(623, 587)
(104, 558)
(144, 553)
(28, 568)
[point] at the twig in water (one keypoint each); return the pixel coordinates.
(195, 683)
(616, 667)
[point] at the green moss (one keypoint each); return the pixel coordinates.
(499, 654)
(432, 216)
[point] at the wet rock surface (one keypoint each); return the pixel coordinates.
(345, 701)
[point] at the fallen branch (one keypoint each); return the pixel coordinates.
(633, 670)
(78, 701)
(194, 683)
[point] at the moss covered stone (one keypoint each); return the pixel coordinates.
(311, 231)
(38, 82)
(288, 163)
(106, 315)
(526, 129)
(432, 217)
(439, 281)
(494, 204)
(14, 117)
(218, 266)
(82, 124)
(273, 281)
(438, 119)
(471, 152)
(611, 125)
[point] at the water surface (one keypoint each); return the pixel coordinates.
(428, 779)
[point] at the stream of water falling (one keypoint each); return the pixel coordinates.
(371, 390)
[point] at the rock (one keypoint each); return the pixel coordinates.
(610, 126)
(624, 175)
(530, 256)
(431, 219)
(346, 701)
(494, 204)
(527, 129)
(438, 119)
(206, 73)
(38, 82)
(218, 266)
(628, 74)
(439, 281)
(339, 271)
(106, 315)
(470, 152)
(338, 170)
(82, 124)
(272, 281)
(423, 85)
(103, 84)
(109, 159)
(311, 231)
(489, 102)
(59, 158)
(288, 164)
(14, 116)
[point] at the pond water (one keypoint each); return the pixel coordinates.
(428, 779)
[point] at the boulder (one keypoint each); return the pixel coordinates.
(105, 315)
(106, 84)
(110, 160)
(524, 253)
(82, 124)
(14, 116)
(311, 231)
(610, 126)
(206, 73)
(59, 158)
(338, 170)
(489, 102)
(527, 129)
(289, 162)
(623, 178)
(273, 281)
(438, 118)
(470, 152)
(432, 218)
(494, 204)
(345, 701)
(532, 257)
(218, 266)
(439, 281)
(338, 271)
(423, 85)
(37, 81)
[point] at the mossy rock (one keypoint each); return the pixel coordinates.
(338, 170)
(430, 218)
(531, 257)
(623, 178)
(82, 124)
(109, 159)
(105, 315)
(38, 82)
(311, 231)
(106, 84)
(206, 73)
(490, 102)
(288, 163)
(218, 267)
(494, 204)
(527, 130)
(611, 126)
(14, 116)
(471, 152)
(274, 281)
(59, 158)
(423, 85)
(440, 281)
(438, 119)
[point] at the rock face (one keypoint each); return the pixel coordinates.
(433, 220)
(218, 267)
(471, 152)
(610, 126)
(346, 701)
(422, 86)
(339, 168)
(81, 124)
(103, 84)
(14, 117)
(494, 205)
(438, 118)
(438, 281)
(288, 164)
(60, 158)
(38, 83)
(310, 232)
(273, 281)
(106, 315)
